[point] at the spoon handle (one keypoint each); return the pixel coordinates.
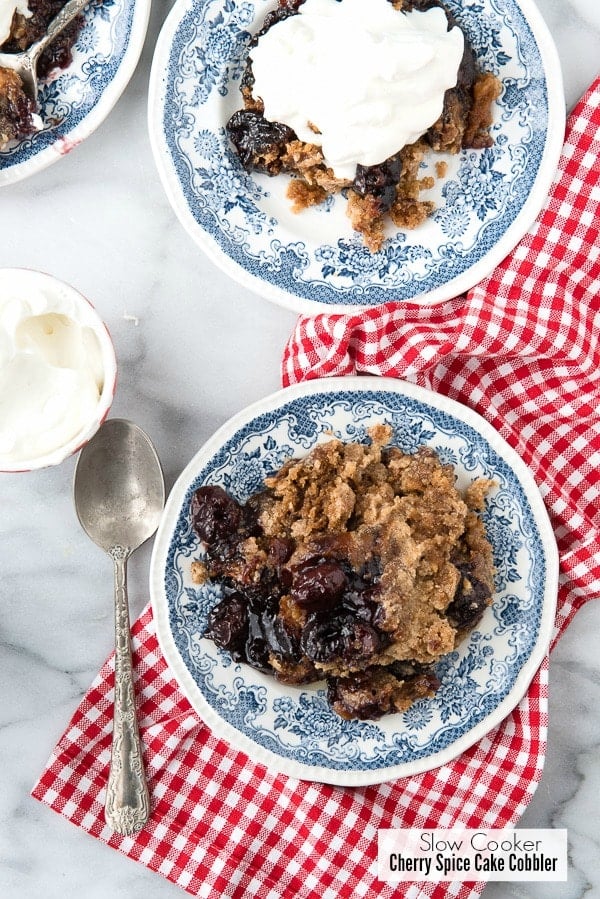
(127, 806)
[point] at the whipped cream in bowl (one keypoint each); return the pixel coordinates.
(57, 370)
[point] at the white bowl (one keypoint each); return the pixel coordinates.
(62, 297)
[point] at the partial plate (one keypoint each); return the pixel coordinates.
(75, 100)
(314, 262)
(292, 729)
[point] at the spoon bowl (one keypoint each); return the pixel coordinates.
(119, 496)
(119, 488)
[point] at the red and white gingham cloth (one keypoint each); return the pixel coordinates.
(522, 348)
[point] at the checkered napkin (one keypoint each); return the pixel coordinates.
(522, 348)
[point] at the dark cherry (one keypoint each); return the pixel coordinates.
(263, 597)
(279, 641)
(228, 625)
(250, 631)
(379, 181)
(215, 515)
(318, 585)
(360, 605)
(266, 635)
(343, 615)
(326, 638)
(253, 136)
(363, 704)
(280, 550)
(467, 608)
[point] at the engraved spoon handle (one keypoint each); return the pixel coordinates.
(127, 806)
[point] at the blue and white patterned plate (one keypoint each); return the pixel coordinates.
(292, 729)
(314, 261)
(75, 100)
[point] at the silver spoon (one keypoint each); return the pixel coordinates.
(119, 496)
(25, 63)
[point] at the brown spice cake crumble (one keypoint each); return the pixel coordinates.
(359, 564)
(390, 189)
(16, 108)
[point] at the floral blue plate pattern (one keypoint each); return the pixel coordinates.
(75, 100)
(314, 261)
(292, 729)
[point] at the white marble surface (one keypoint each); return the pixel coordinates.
(193, 348)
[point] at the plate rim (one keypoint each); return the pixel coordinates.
(107, 100)
(317, 773)
(445, 293)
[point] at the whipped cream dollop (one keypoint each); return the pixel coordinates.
(51, 367)
(358, 78)
(7, 10)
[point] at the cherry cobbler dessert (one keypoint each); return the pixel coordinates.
(16, 109)
(350, 95)
(22, 22)
(358, 564)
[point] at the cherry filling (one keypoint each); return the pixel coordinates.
(222, 524)
(470, 601)
(342, 637)
(301, 611)
(245, 622)
(34, 26)
(255, 138)
(379, 181)
(368, 694)
(341, 616)
(16, 109)
(251, 630)
(215, 515)
(228, 625)
(343, 620)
